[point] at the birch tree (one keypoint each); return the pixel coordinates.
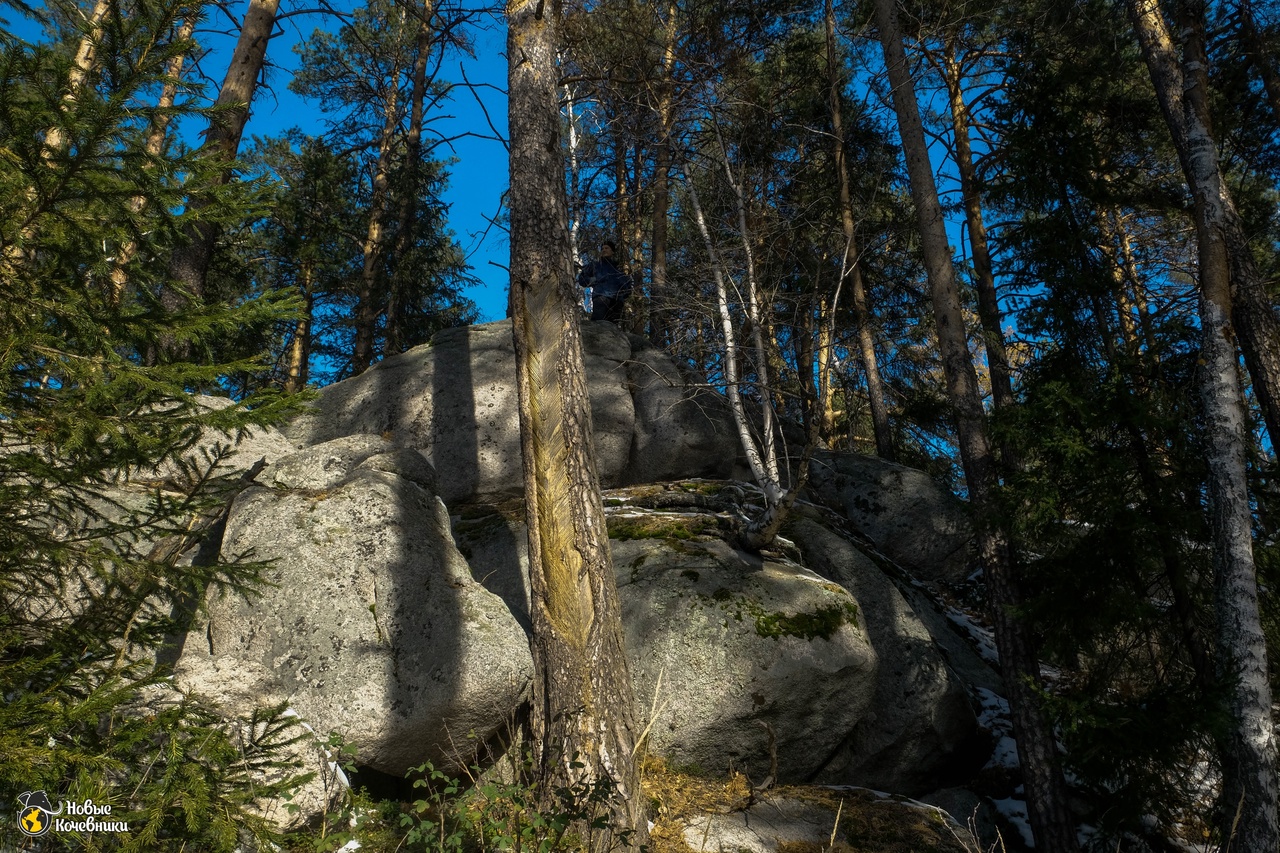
(1249, 774)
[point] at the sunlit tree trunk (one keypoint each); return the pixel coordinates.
(54, 139)
(575, 172)
(659, 327)
(772, 484)
(366, 319)
(1046, 789)
(582, 712)
(413, 172)
(825, 371)
(1249, 772)
(983, 270)
(156, 136)
(189, 266)
(762, 456)
(298, 357)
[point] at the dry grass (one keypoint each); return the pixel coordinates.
(676, 797)
(867, 823)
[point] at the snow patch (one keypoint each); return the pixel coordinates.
(980, 636)
(1015, 811)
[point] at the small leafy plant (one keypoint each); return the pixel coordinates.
(490, 814)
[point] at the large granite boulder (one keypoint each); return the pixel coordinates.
(220, 453)
(683, 427)
(732, 645)
(903, 511)
(373, 627)
(737, 640)
(454, 400)
(920, 717)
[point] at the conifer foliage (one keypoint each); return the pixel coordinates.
(100, 550)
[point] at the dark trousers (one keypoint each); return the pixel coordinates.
(608, 307)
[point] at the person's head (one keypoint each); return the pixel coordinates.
(607, 249)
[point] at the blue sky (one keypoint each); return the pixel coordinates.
(478, 178)
(479, 175)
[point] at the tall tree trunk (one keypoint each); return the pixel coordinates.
(156, 135)
(772, 484)
(366, 319)
(1046, 790)
(582, 706)
(1118, 273)
(659, 325)
(850, 263)
(983, 272)
(1253, 314)
(299, 355)
(1249, 772)
(189, 265)
(764, 465)
(575, 171)
(825, 370)
(621, 195)
(409, 192)
(54, 139)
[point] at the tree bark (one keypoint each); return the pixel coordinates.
(156, 135)
(825, 364)
(983, 272)
(189, 265)
(409, 192)
(299, 355)
(366, 319)
(582, 706)
(659, 325)
(54, 139)
(772, 482)
(1046, 789)
(760, 532)
(1253, 315)
(851, 267)
(1249, 772)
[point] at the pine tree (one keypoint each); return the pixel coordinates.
(375, 78)
(583, 708)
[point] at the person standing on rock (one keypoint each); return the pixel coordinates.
(609, 285)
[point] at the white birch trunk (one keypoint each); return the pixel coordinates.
(1249, 783)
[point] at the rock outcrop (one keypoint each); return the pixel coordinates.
(727, 642)
(920, 714)
(373, 626)
(220, 453)
(404, 630)
(734, 649)
(904, 513)
(455, 401)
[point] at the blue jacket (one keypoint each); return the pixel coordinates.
(604, 279)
